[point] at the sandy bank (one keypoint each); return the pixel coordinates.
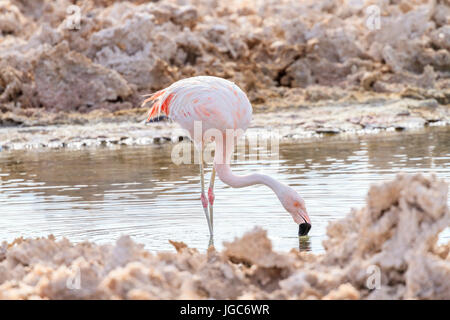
(394, 237)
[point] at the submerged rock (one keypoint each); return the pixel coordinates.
(393, 238)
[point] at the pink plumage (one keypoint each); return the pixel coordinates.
(215, 102)
(220, 106)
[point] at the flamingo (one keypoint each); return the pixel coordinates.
(203, 104)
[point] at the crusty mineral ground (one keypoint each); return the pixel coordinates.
(127, 128)
(57, 59)
(386, 250)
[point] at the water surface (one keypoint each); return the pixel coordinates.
(100, 194)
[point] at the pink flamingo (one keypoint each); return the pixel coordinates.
(214, 104)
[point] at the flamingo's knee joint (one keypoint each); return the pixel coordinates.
(211, 196)
(204, 200)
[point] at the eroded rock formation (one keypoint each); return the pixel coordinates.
(273, 50)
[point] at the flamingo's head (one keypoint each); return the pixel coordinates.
(295, 205)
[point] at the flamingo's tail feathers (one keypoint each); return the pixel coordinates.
(151, 97)
(161, 104)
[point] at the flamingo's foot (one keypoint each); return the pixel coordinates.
(211, 196)
(204, 200)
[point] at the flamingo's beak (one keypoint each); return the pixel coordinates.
(303, 228)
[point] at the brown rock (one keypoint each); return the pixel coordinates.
(66, 80)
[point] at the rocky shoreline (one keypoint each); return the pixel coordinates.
(386, 250)
(72, 73)
(287, 124)
(77, 61)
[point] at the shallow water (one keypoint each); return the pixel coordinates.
(100, 194)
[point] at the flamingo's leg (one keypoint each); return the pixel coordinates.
(211, 196)
(203, 196)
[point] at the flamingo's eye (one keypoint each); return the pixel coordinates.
(296, 204)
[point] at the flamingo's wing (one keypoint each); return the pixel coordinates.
(217, 103)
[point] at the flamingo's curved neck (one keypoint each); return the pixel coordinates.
(222, 164)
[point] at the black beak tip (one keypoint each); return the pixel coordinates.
(303, 229)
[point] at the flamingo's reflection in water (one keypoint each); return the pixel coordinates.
(304, 243)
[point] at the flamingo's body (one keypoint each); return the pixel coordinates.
(219, 105)
(216, 102)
